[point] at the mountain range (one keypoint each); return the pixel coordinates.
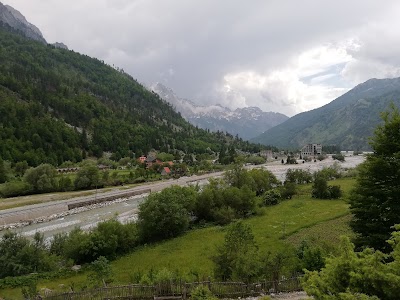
(246, 122)
(347, 121)
(58, 105)
(17, 21)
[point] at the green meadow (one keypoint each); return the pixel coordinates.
(276, 228)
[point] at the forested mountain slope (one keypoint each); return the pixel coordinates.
(58, 105)
(347, 121)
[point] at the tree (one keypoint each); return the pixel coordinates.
(238, 176)
(101, 272)
(262, 181)
(166, 214)
(42, 178)
(88, 176)
(237, 258)
(375, 200)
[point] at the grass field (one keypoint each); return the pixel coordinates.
(320, 221)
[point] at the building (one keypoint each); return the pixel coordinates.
(166, 171)
(311, 150)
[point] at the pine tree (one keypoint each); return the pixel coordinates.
(375, 201)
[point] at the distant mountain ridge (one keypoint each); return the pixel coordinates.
(246, 122)
(347, 121)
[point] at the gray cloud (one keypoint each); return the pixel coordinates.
(231, 52)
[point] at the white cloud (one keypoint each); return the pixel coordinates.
(286, 56)
(285, 89)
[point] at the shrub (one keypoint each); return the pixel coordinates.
(166, 214)
(338, 157)
(202, 292)
(288, 190)
(15, 188)
(272, 197)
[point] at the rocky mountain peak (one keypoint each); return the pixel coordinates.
(247, 122)
(16, 20)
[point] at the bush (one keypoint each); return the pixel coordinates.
(166, 214)
(272, 197)
(221, 203)
(15, 188)
(298, 176)
(42, 178)
(288, 190)
(202, 292)
(338, 157)
(321, 190)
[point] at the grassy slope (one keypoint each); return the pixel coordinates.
(285, 223)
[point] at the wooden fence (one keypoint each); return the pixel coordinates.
(181, 290)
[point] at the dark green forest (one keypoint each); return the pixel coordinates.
(57, 105)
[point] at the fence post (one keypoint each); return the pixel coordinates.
(184, 291)
(209, 283)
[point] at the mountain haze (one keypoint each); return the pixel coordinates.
(347, 121)
(246, 122)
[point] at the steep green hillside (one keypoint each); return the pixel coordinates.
(347, 121)
(58, 105)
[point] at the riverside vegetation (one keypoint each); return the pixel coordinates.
(182, 212)
(252, 249)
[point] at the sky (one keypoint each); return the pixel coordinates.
(280, 55)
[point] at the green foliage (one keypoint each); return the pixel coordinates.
(108, 239)
(262, 180)
(298, 176)
(42, 178)
(202, 292)
(255, 160)
(58, 105)
(166, 214)
(338, 157)
(272, 197)
(364, 275)
(3, 175)
(288, 190)
(88, 176)
(237, 258)
(220, 203)
(19, 256)
(101, 272)
(375, 200)
(15, 188)
(321, 190)
(311, 257)
(30, 291)
(258, 180)
(165, 156)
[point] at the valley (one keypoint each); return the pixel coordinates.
(124, 209)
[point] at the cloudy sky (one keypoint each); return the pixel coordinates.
(279, 55)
